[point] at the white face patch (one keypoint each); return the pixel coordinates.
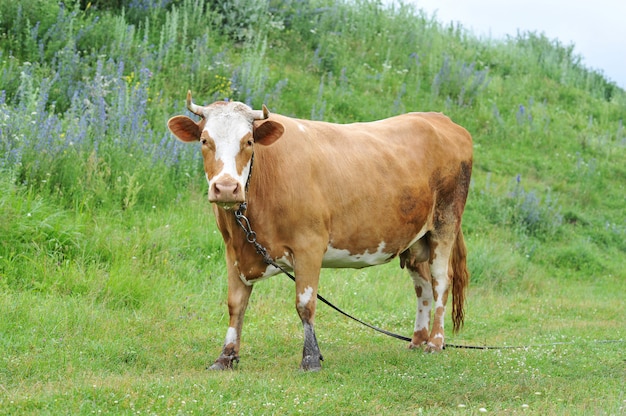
(337, 258)
(305, 297)
(227, 129)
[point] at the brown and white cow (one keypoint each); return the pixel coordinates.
(331, 195)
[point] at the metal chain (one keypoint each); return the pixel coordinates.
(244, 223)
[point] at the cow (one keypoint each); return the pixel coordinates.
(324, 195)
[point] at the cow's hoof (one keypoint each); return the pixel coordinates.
(217, 366)
(224, 362)
(433, 347)
(311, 363)
(413, 346)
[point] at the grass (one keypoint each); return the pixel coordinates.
(80, 356)
(112, 289)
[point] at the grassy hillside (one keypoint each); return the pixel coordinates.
(112, 289)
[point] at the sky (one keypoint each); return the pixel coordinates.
(596, 28)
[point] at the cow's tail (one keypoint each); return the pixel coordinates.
(460, 280)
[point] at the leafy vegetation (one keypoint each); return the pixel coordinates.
(112, 289)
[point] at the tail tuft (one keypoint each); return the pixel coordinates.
(460, 281)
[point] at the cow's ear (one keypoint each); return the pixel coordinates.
(184, 128)
(267, 132)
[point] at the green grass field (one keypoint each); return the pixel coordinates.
(136, 338)
(112, 278)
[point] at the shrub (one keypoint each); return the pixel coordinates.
(22, 23)
(459, 82)
(102, 151)
(532, 214)
(243, 20)
(524, 211)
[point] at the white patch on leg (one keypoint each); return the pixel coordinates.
(439, 271)
(422, 318)
(305, 297)
(231, 336)
(441, 286)
(422, 315)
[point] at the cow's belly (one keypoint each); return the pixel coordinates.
(337, 258)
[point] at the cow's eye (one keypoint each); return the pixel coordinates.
(250, 142)
(203, 141)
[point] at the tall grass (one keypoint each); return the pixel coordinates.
(111, 269)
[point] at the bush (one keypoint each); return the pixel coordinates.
(23, 23)
(532, 214)
(459, 82)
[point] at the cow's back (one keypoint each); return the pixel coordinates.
(359, 185)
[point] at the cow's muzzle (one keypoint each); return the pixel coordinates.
(227, 193)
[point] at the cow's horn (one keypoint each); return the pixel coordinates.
(261, 114)
(196, 109)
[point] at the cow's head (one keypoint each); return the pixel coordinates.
(227, 132)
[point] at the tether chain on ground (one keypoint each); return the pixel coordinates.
(244, 223)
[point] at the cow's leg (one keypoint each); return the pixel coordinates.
(307, 279)
(415, 259)
(238, 296)
(306, 301)
(420, 273)
(441, 278)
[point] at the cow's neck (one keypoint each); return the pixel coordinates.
(261, 192)
(249, 262)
